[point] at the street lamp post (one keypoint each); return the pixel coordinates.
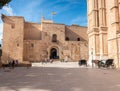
(92, 56)
(117, 39)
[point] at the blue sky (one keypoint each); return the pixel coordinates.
(67, 11)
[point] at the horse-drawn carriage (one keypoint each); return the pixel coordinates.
(109, 63)
(82, 62)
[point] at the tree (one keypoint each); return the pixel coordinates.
(4, 2)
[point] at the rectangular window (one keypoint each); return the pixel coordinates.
(17, 44)
(12, 26)
(54, 38)
(32, 45)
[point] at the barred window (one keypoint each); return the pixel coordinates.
(54, 38)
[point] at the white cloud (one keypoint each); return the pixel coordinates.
(9, 10)
(79, 20)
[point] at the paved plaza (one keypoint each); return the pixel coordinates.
(49, 77)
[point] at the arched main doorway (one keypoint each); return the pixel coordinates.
(54, 53)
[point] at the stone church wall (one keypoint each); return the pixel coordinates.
(35, 50)
(32, 31)
(76, 31)
(13, 36)
(31, 42)
(49, 29)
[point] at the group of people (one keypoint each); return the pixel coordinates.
(12, 63)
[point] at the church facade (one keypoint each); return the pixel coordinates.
(104, 29)
(27, 41)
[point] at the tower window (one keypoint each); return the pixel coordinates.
(32, 45)
(54, 38)
(67, 38)
(78, 39)
(17, 44)
(13, 26)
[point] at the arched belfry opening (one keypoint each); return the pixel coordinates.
(54, 53)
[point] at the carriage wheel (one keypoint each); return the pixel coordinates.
(113, 66)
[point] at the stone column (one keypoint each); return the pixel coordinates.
(118, 35)
(102, 29)
(93, 33)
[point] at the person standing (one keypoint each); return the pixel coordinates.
(13, 64)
